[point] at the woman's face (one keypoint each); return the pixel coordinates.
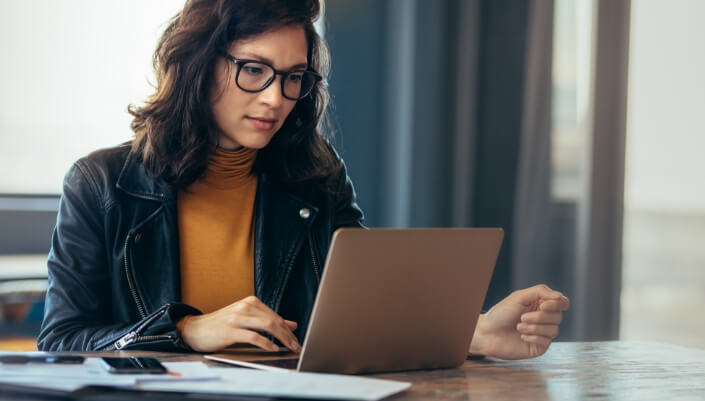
(251, 119)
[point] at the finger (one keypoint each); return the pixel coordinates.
(542, 317)
(544, 330)
(259, 307)
(279, 329)
(538, 340)
(254, 307)
(554, 305)
(282, 329)
(537, 292)
(250, 337)
(275, 327)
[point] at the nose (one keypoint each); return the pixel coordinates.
(272, 95)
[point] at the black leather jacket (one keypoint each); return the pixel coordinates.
(114, 275)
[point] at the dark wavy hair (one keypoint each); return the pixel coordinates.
(175, 132)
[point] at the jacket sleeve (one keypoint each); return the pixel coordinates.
(77, 314)
(347, 212)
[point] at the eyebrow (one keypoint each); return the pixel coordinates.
(266, 60)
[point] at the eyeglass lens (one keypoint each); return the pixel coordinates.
(255, 77)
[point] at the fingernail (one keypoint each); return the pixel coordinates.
(295, 346)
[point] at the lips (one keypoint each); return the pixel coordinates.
(261, 123)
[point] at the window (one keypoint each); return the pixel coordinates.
(69, 70)
(572, 75)
(664, 226)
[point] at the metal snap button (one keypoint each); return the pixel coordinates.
(304, 213)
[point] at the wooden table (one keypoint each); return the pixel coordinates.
(595, 371)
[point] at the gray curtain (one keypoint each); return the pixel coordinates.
(533, 204)
(444, 116)
(575, 246)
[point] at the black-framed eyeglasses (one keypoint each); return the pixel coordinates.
(255, 76)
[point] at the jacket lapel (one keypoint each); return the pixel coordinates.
(151, 250)
(281, 224)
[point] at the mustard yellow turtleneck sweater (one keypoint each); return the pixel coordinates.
(216, 232)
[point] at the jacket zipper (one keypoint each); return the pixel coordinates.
(130, 279)
(130, 283)
(134, 337)
(313, 258)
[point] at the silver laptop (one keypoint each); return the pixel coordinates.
(393, 300)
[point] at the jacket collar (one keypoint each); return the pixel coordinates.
(136, 181)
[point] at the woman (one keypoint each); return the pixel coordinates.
(229, 192)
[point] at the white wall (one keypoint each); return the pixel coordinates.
(666, 133)
(69, 69)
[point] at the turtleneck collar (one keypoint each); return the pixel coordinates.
(229, 169)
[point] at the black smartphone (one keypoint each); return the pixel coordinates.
(21, 359)
(133, 365)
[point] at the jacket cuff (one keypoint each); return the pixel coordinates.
(177, 311)
(168, 324)
(156, 332)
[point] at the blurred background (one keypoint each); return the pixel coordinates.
(576, 125)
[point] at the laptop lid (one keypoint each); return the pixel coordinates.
(399, 299)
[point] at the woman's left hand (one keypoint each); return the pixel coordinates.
(522, 325)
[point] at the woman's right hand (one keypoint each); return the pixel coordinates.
(238, 322)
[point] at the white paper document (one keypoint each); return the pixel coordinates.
(69, 377)
(254, 382)
(198, 377)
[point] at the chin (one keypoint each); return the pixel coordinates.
(256, 141)
(250, 140)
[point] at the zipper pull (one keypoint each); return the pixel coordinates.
(128, 339)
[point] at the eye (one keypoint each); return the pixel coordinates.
(252, 69)
(295, 77)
